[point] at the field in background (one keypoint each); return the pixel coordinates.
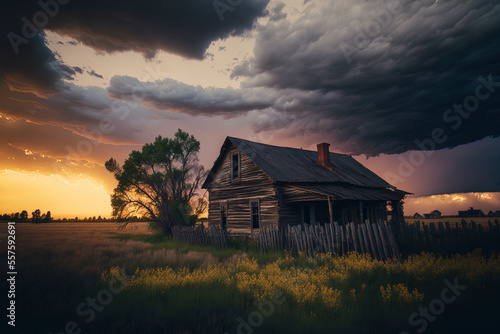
(479, 220)
(178, 288)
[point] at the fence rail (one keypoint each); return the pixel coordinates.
(376, 239)
(446, 238)
(199, 235)
(380, 239)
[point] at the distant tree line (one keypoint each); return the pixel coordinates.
(37, 217)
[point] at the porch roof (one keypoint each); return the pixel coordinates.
(348, 192)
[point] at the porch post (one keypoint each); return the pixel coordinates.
(361, 218)
(397, 213)
(330, 209)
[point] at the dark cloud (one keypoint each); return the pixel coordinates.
(394, 86)
(35, 68)
(370, 77)
(466, 168)
(184, 27)
(174, 96)
(93, 73)
(87, 111)
(34, 80)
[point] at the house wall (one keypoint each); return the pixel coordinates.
(253, 184)
(280, 204)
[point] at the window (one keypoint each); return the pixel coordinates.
(223, 216)
(235, 166)
(308, 214)
(255, 213)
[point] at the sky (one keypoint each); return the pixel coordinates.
(411, 89)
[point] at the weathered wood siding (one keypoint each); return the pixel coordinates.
(253, 184)
(290, 213)
(293, 194)
(290, 204)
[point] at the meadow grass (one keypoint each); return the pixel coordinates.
(172, 287)
(452, 220)
(235, 247)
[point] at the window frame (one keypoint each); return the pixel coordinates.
(221, 206)
(252, 214)
(238, 178)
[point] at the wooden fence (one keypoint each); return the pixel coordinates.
(445, 238)
(218, 236)
(199, 235)
(376, 239)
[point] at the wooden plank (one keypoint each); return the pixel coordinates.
(331, 236)
(338, 246)
(383, 240)
(372, 241)
(377, 242)
(361, 240)
(341, 234)
(392, 242)
(366, 243)
(328, 234)
(354, 237)
(368, 250)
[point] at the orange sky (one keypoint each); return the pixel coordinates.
(90, 196)
(83, 198)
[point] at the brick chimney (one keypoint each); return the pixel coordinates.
(324, 155)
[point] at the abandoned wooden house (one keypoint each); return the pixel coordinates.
(252, 185)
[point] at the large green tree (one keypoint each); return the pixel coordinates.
(160, 182)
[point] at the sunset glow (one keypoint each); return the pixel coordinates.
(82, 198)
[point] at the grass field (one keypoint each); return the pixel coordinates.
(96, 279)
(452, 220)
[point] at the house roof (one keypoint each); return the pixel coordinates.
(286, 164)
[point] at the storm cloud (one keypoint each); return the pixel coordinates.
(388, 71)
(370, 76)
(35, 83)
